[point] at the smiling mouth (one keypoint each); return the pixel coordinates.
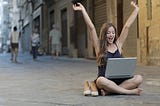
(110, 38)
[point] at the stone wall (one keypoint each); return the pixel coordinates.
(149, 32)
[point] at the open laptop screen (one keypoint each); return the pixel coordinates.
(120, 67)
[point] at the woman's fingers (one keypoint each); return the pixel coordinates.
(77, 6)
(133, 3)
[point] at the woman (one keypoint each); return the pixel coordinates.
(108, 45)
(35, 43)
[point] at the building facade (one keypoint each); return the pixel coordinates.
(143, 40)
(149, 32)
(77, 42)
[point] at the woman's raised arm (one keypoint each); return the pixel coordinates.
(127, 25)
(92, 30)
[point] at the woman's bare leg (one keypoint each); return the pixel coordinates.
(132, 83)
(110, 86)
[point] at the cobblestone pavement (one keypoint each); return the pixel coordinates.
(59, 82)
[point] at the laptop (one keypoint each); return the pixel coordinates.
(120, 67)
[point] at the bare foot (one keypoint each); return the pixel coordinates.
(103, 93)
(137, 91)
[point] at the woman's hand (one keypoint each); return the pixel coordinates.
(133, 3)
(78, 6)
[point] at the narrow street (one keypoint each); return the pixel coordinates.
(59, 82)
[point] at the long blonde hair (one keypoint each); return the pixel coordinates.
(103, 43)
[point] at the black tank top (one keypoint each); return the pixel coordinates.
(102, 69)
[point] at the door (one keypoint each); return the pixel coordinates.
(26, 39)
(64, 32)
(120, 16)
(81, 33)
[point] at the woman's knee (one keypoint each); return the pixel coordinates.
(138, 79)
(101, 81)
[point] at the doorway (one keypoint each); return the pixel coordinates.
(64, 32)
(120, 16)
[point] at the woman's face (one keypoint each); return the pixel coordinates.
(111, 35)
